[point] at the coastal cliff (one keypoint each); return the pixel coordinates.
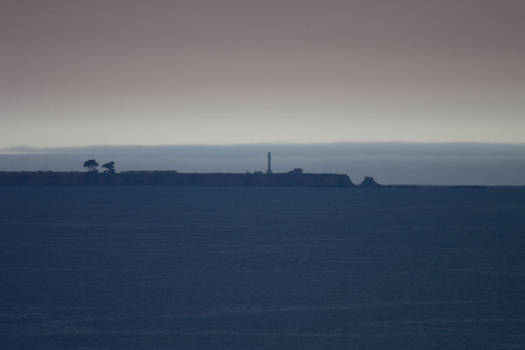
(173, 178)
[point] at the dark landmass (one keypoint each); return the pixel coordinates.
(173, 178)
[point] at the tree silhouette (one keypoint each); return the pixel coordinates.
(110, 167)
(91, 165)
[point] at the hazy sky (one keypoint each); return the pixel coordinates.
(87, 72)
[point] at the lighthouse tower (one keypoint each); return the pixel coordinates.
(269, 170)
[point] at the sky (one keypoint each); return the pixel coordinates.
(162, 72)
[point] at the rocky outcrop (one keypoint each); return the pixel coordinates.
(369, 181)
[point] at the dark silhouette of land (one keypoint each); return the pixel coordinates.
(369, 181)
(293, 178)
(174, 178)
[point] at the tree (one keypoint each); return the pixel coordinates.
(110, 167)
(91, 165)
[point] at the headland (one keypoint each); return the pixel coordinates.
(173, 178)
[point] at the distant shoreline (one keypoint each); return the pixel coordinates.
(174, 178)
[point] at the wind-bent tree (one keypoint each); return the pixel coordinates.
(91, 165)
(110, 167)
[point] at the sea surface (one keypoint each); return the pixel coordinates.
(262, 268)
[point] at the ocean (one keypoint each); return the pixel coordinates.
(262, 268)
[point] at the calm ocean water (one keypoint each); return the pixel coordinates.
(261, 268)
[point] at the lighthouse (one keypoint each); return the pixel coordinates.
(269, 170)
